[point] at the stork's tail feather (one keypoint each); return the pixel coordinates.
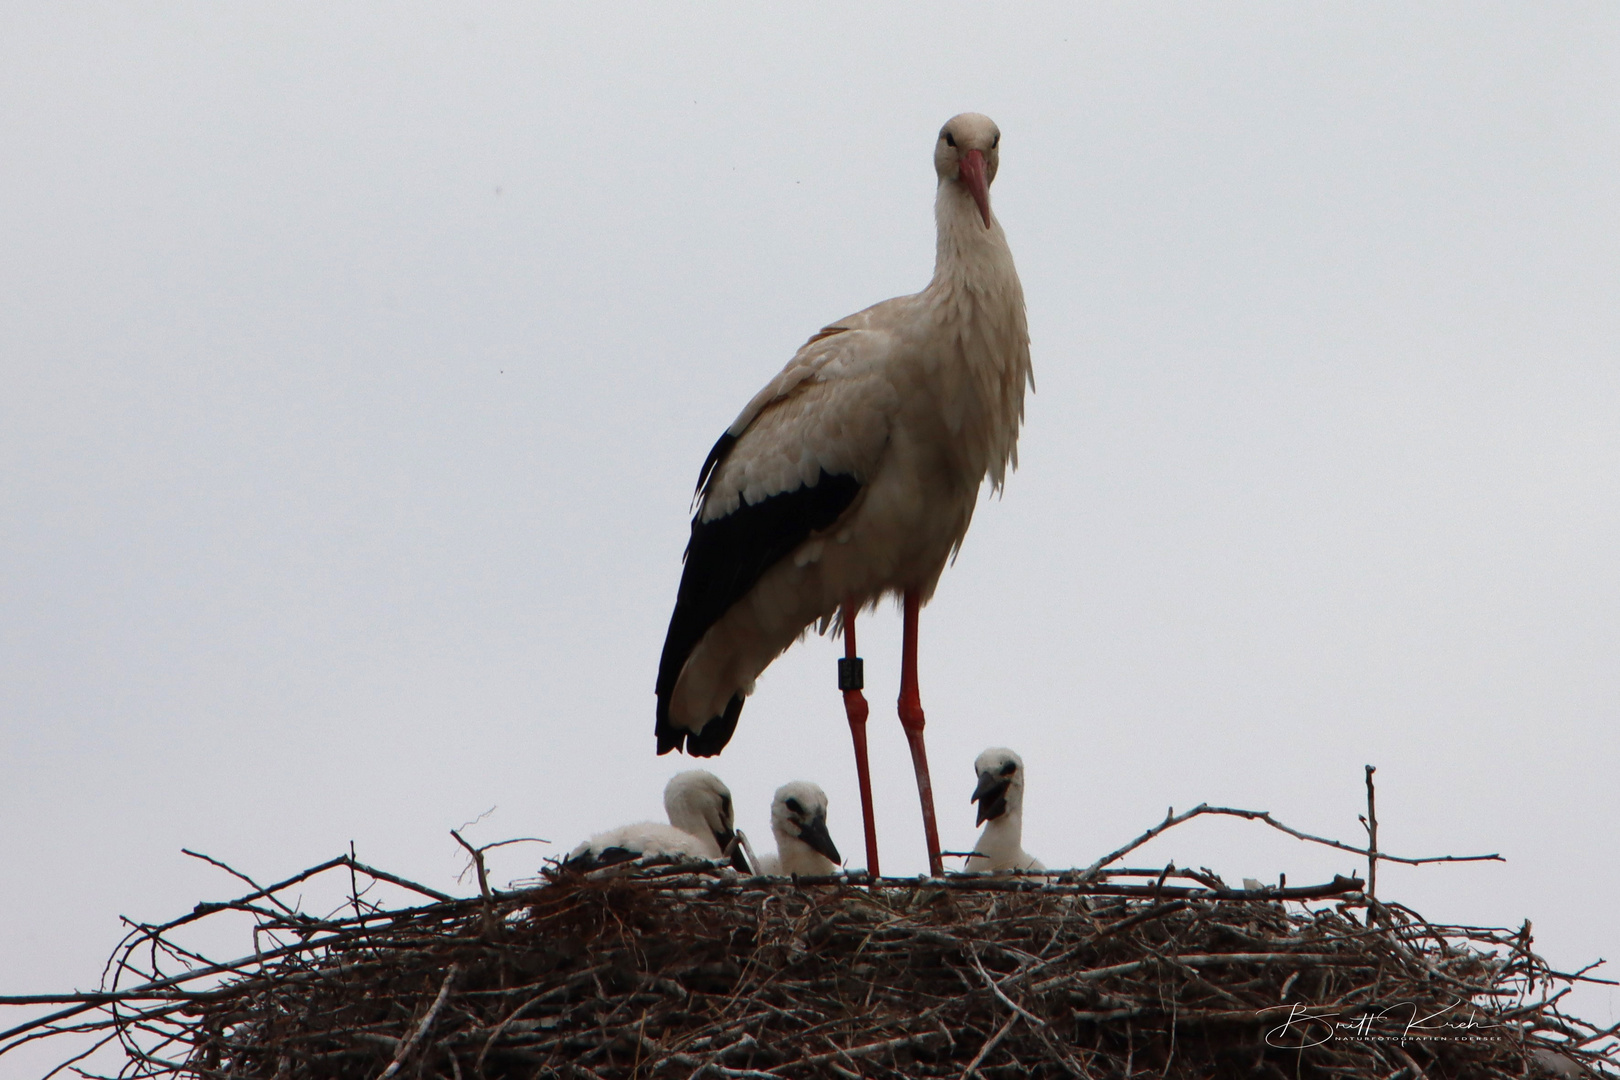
(706, 743)
(717, 732)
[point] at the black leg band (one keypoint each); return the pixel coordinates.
(851, 674)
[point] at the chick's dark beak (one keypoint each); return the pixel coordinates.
(814, 832)
(991, 795)
(731, 848)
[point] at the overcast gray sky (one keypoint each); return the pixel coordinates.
(358, 362)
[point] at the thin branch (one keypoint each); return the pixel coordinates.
(404, 883)
(1172, 819)
(1371, 822)
(235, 873)
(989, 1044)
(514, 840)
(477, 862)
(409, 1044)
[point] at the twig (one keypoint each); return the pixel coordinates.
(1042, 1030)
(239, 875)
(1001, 995)
(989, 1044)
(478, 863)
(514, 840)
(409, 1044)
(404, 883)
(1371, 823)
(1159, 884)
(919, 1039)
(1037, 885)
(1172, 819)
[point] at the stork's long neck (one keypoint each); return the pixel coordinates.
(977, 303)
(969, 256)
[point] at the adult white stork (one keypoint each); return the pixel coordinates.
(853, 475)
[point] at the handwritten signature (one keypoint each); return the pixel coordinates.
(1457, 1022)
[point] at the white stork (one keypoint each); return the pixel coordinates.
(853, 475)
(629, 842)
(700, 811)
(1000, 795)
(698, 802)
(799, 823)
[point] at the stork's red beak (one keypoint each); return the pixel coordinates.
(971, 172)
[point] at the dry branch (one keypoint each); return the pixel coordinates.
(1172, 819)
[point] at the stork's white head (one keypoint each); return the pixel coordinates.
(1001, 784)
(968, 153)
(698, 802)
(799, 815)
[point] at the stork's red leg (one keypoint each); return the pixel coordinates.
(911, 718)
(850, 681)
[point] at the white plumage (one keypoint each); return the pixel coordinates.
(799, 823)
(1000, 795)
(699, 803)
(644, 838)
(854, 473)
(700, 826)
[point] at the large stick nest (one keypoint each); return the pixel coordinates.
(687, 971)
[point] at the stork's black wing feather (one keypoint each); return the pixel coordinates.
(724, 559)
(722, 447)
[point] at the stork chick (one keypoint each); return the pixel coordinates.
(698, 802)
(640, 840)
(700, 826)
(799, 822)
(1000, 796)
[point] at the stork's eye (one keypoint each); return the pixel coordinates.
(793, 806)
(950, 140)
(1008, 769)
(995, 142)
